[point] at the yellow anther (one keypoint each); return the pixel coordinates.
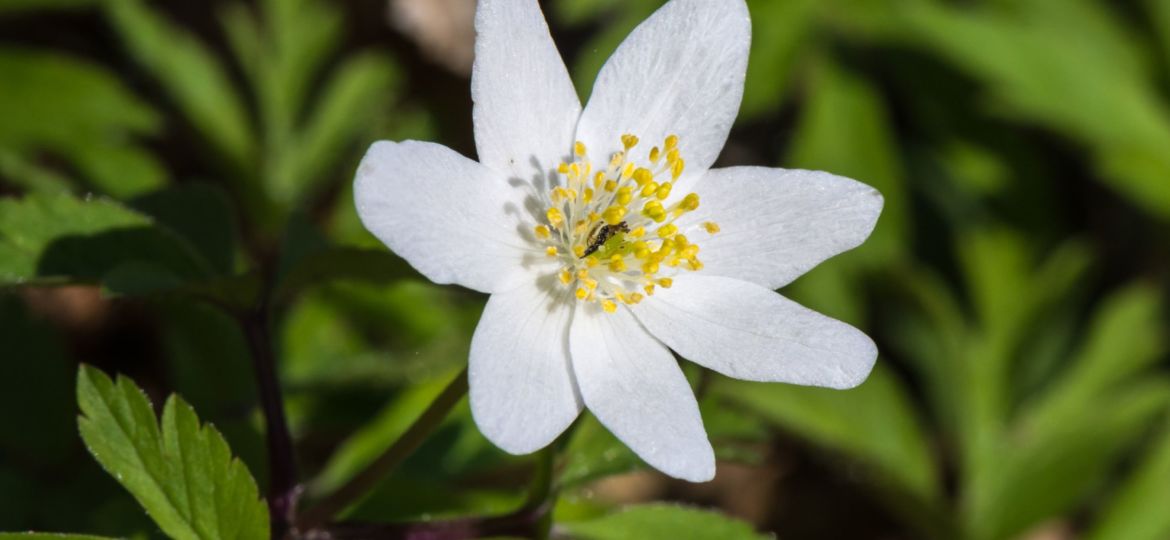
(665, 282)
(616, 159)
(641, 250)
(588, 195)
(563, 168)
(591, 261)
(551, 251)
(610, 185)
(711, 227)
(565, 277)
(580, 227)
(642, 176)
(625, 195)
(649, 289)
(690, 251)
(655, 155)
(668, 230)
(690, 202)
(617, 264)
(594, 216)
(650, 268)
(614, 214)
(654, 210)
(676, 169)
(542, 232)
(638, 232)
(591, 284)
(696, 264)
(664, 191)
(582, 274)
(582, 293)
(579, 149)
(672, 142)
(609, 306)
(555, 217)
(649, 189)
(634, 298)
(628, 171)
(579, 251)
(575, 171)
(629, 141)
(598, 180)
(672, 156)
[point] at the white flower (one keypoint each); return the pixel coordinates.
(585, 226)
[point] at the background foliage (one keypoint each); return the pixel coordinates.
(167, 167)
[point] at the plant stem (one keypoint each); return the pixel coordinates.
(282, 472)
(414, 436)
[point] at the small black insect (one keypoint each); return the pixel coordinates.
(599, 236)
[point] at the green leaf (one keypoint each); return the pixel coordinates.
(349, 104)
(183, 474)
(202, 215)
(69, 108)
(16, 6)
(1095, 88)
(191, 75)
(779, 34)
(60, 237)
(50, 536)
(1124, 338)
(873, 423)
(661, 521)
(1044, 472)
(1132, 513)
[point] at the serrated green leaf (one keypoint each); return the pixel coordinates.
(195, 80)
(661, 521)
(182, 474)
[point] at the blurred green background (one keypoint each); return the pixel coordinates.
(160, 161)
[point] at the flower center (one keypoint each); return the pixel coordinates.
(613, 228)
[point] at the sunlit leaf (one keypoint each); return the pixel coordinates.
(66, 107)
(58, 236)
(183, 474)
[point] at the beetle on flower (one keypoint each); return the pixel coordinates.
(606, 239)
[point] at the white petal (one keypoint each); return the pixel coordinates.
(525, 106)
(777, 224)
(745, 331)
(522, 390)
(452, 219)
(635, 387)
(680, 72)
